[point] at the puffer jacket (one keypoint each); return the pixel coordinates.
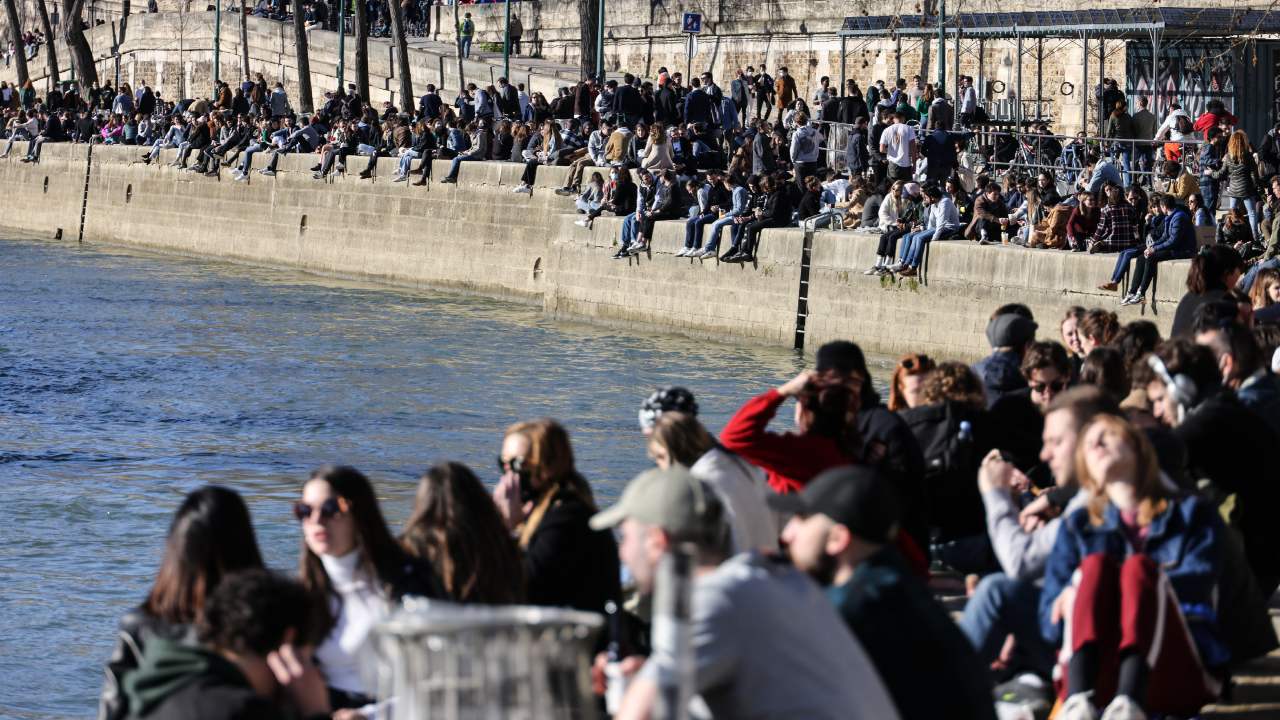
(1241, 177)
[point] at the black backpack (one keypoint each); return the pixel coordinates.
(953, 439)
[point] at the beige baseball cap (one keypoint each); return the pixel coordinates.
(672, 499)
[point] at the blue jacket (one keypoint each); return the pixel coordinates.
(698, 107)
(1184, 541)
(1177, 239)
(1001, 374)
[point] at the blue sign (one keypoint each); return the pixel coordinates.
(692, 23)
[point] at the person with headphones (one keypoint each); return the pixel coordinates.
(1227, 448)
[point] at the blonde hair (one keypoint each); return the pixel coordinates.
(550, 463)
(1238, 146)
(1151, 492)
(684, 438)
(1258, 293)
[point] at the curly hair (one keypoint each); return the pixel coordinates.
(956, 382)
(252, 611)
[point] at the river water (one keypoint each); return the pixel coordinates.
(128, 379)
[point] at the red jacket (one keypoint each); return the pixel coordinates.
(791, 460)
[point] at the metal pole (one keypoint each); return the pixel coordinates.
(897, 59)
(1102, 73)
(342, 44)
(1084, 90)
(600, 44)
(688, 52)
(217, 43)
(1017, 100)
(942, 47)
(1156, 107)
(844, 43)
(1039, 78)
(956, 59)
(506, 42)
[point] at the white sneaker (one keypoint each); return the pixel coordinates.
(1078, 707)
(523, 189)
(705, 253)
(684, 252)
(873, 270)
(581, 223)
(1123, 707)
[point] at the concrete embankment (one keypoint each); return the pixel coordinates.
(479, 237)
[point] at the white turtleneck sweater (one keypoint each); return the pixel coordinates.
(363, 605)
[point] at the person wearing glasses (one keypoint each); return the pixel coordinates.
(351, 561)
(546, 504)
(211, 536)
(906, 387)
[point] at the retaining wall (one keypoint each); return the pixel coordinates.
(479, 237)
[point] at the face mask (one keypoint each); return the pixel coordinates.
(613, 176)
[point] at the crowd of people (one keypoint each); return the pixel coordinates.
(720, 159)
(1105, 493)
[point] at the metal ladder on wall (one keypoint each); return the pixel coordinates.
(809, 226)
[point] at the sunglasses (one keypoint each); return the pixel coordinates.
(1056, 386)
(916, 361)
(327, 509)
(515, 465)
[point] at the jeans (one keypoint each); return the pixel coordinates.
(15, 135)
(1144, 156)
(1250, 207)
(693, 229)
(914, 244)
(1247, 283)
(453, 167)
(247, 161)
(1209, 191)
(406, 160)
(628, 230)
(716, 228)
(1126, 163)
(1122, 262)
(466, 47)
(1003, 606)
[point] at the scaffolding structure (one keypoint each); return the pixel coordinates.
(968, 32)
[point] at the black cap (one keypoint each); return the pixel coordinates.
(855, 496)
(840, 355)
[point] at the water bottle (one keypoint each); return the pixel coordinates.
(966, 431)
(615, 681)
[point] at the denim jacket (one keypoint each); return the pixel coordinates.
(1184, 541)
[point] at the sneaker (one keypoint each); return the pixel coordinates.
(523, 189)
(317, 176)
(873, 270)
(731, 256)
(1123, 707)
(639, 247)
(707, 253)
(1026, 695)
(745, 258)
(241, 177)
(621, 254)
(399, 178)
(268, 172)
(564, 191)
(1133, 299)
(684, 252)
(907, 272)
(1109, 287)
(1078, 707)
(582, 223)
(447, 179)
(315, 168)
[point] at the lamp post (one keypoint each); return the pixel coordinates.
(600, 43)
(942, 47)
(506, 42)
(342, 41)
(217, 44)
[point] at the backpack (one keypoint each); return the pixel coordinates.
(1184, 125)
(951, 459)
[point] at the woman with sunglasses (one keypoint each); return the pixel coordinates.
(906, 387)
(456, 527)
(1131, 585)
(545, 501)
(351, 561)
(210, 537)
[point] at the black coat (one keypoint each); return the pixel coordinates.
(627, 101)
(567, 563)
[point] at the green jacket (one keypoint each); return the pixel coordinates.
(466, 29)
(167, 667)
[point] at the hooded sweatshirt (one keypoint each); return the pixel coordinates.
(174, 680)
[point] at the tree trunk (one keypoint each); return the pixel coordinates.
(77, 44)
(457, 47)
(19, 49)
(50, 52)
(124, 21)
(588, 22)
(244, 39)
(362, 49)
(300, 42)
(402, 55)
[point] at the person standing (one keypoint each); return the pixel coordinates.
(740, 91)
(784, 91)
(514, 32)
(898, 145)
(1145, 125)
(764, 88)
(466, 31)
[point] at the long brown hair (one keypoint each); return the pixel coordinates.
(1238, 148)
(834, 406)
(456, 526)
(550, 462)
(381, 557)
(683, 436)
(210, 536)
(1151, 492)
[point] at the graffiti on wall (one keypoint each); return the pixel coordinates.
(1189, 72)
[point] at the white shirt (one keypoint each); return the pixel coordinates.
(896, 141)
(363, 606)
(742, 487)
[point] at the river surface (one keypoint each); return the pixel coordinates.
(128, 379)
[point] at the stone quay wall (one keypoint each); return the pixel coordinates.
(479, 237)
